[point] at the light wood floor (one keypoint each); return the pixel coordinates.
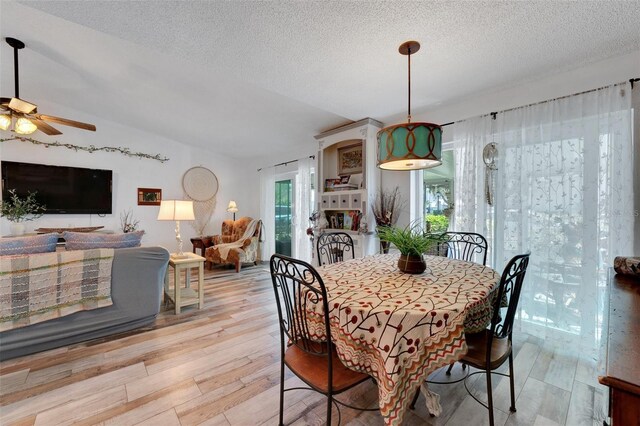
(220, 366)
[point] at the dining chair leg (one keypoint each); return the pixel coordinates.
(513, 396)
(450, 368)
(489, 397)
(415, 399)
(281, 419)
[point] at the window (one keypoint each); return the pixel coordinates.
(438, 194)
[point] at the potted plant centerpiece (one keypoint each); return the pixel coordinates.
(412, 242)
(18, 210)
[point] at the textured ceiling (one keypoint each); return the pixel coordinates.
(266, 76)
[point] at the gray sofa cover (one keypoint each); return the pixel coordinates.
(137, 279)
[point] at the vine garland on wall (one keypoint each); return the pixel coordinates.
(90, 148)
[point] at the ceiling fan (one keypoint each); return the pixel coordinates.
(22, 116)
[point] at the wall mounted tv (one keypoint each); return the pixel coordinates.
(63, 190)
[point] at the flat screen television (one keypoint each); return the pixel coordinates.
(63, 190)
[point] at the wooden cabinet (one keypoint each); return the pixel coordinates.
(349, 151)
(621, 356)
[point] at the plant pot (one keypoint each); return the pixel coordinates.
(17, 228)
(411, 264)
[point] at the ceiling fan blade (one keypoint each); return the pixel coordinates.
(66, 122)
(19, 105)
(44, 127)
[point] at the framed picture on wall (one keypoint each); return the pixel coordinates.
(350, 159)
(149, 196)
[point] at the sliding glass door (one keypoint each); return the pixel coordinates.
(283, 216)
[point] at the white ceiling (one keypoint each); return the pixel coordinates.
(260, 78)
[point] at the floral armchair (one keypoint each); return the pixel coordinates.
(245, 252)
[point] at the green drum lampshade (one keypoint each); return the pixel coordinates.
(410, 146)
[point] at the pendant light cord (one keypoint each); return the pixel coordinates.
(15, 71)
(409, 78)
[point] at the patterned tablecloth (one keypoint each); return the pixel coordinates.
(398, 327)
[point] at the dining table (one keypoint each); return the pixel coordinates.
(399, 327)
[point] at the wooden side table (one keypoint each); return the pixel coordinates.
(619, 358)
(185, 296)
(202, 243)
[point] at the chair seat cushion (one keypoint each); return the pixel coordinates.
(477, 354)
(314, 370)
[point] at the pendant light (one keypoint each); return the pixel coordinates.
(410, 146)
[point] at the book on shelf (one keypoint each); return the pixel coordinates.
(344, 186)
(348, 219)
(355, 221)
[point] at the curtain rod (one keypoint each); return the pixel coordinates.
(287, 162)
(494, 114)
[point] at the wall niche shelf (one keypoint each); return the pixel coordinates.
(347, 159)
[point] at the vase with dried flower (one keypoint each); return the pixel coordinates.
(127, 222)
(386, 207)
(19, 210)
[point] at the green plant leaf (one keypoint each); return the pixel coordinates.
(410, 240)
(17, 209)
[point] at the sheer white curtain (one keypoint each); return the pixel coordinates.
(302, 248)
(564, 193)
(471, 212)
(267, 211)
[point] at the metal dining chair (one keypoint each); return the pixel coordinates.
(334, 247)
(492, 347)
(468, 246)
(297, 288)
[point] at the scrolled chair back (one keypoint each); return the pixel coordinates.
(300, 294)
(468, 246)
(509, 290)
(334, 247)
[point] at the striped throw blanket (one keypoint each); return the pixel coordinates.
(40, 287)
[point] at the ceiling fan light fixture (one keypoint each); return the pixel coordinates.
(26, 113)
(410, 146)
(5, 121)
(24, 126)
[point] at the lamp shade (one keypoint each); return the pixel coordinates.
(410, 146)
(176, 210)
(5, 121)
(24, 126)
(232, 207)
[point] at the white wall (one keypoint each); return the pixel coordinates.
(598, 74)
(237, 180)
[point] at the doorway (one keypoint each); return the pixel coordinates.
(283, 216)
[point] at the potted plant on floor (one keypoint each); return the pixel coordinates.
(412, 242)
(18, 210)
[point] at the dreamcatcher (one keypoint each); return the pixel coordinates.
(489, 156)
(201, 186)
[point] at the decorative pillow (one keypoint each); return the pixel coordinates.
(91, 240)
(44, 243)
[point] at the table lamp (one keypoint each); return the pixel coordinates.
(233, 208)
(176, 210)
